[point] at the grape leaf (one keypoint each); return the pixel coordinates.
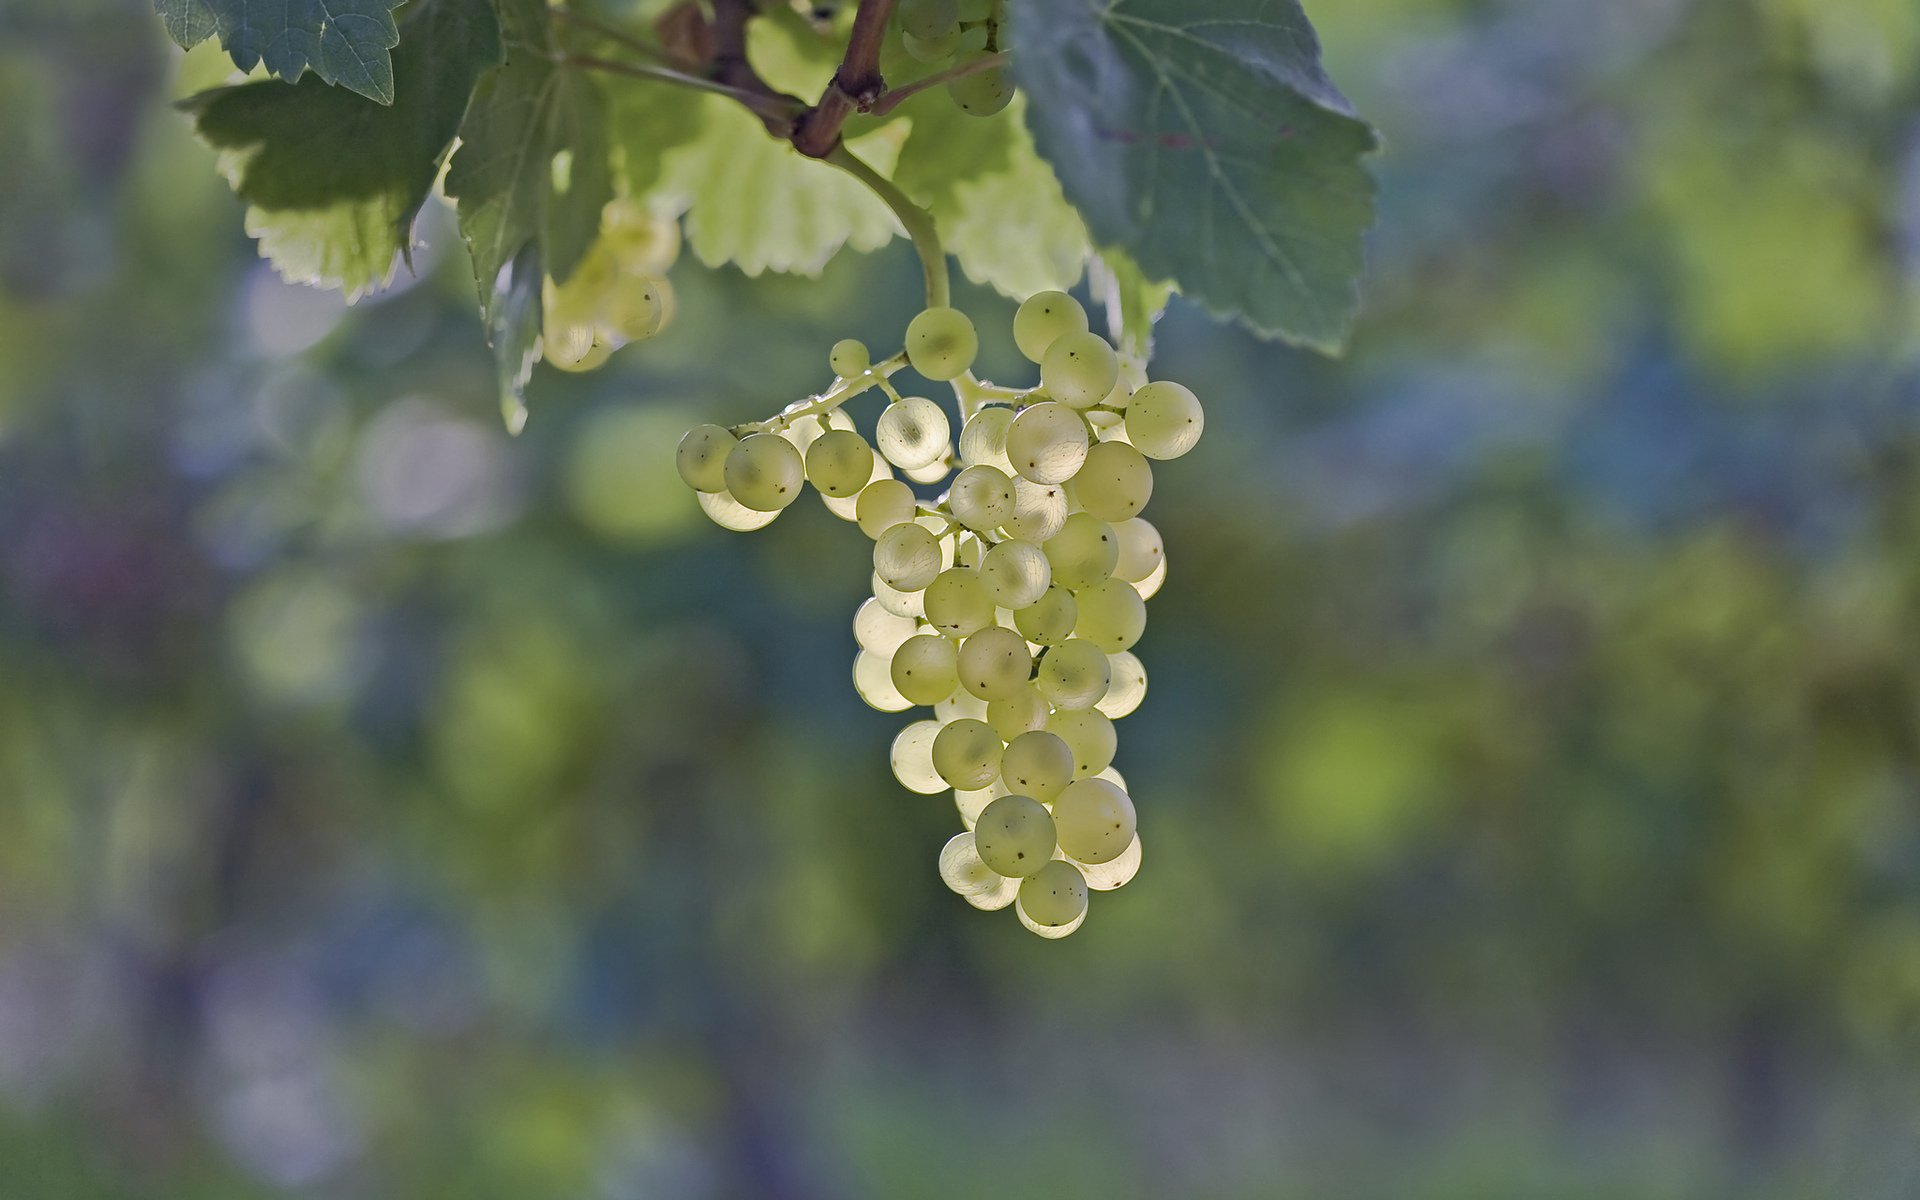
(513, 330)
(345, 42)
(999, 208)
(533, 162)
(1207, 142)
(1133, 302)
(331, 179)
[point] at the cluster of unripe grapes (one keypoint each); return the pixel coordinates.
(1010, 601)
(957, 32)
(617, 293)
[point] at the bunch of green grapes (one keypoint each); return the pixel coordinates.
(955, 33)
(1009, 586)
(617, 294)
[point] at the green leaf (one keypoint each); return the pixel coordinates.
(1207, 142)
(331, 179)
(344, 42)
(999, 208)
(533, 162)
(1133, 302)
(648, 119)
(513, 330)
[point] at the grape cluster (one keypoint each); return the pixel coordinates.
(959, 32)
(618, 293)
(1009, 603)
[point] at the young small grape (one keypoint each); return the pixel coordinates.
(1014, 836)
(983, 439)
(912, 433)
(1044, 317)
(1054, 895)
(907, 556)
(981, 497)
(1015, 573)
(1037, 764)
(1164, 420)
(941, 343)
(701, 457)
(1112, 615)
(966, 753)
(958, 603)
(1079, 369)
(1049, 620)
(849, 357)
(839, 463)
(1021, 712)
(1114, 483)
(1074, 674)
(1039, 510)
(1084, 551)
(881, 505)
(764, 472)
(995, 663)
(1140, 549)
(636, 310)
(1094, 821)
(930, 19)
(1088, 732)
(1047, 442)
(1126, 691)
(983, 93)
(924, 668)
(931, 50)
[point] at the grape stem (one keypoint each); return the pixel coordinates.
(894, 97)
(855, 86)
(843, 390)
(770, 109)
(917, 221)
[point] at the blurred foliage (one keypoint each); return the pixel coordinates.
(394, 808)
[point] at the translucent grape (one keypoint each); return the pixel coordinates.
(1039, 510)
(1015, 573)
(1021, 712)
(983, 439)
(941, 343)
(1079, 369)
(995, 663)
(764, 472)
(849, 357)
(912, 433)
(982, 93)
(934, 471)
(1054, 896)
(1164, 420)
(967, 753)
(847, 508)
(1083, 553)
(1112, 615)
(1014, 836)
(930, 18)
(1114, 483)
(938, 525)
(1037, 764)
(1116, 872)
(636, 310)
(1126, 687)
(1151, 584)
(931, 50)
(873, 679)
(899, 603)
(1088, 732)
(1047, 442)
(962, 870)
(907, 556)
(924, 669)
(839, 463)
(1094, 820)
(1074, 674)
(961, 704)
(883, 504)
(1044, 317)
(1140, 549)
(981, 497)
(1049, 620)
(702, 457)
(729, 513)
(958, 603)
(912, 758)
(880, 631)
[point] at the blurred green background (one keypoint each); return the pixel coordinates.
(1530, 777)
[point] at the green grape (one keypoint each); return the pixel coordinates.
(938, 526)
(907, 557)
(967, 753)
(880, 631)
(1164, 420)
(1127, 689)
(1140, 549)
(1114, 483)
(1151, 584)
(1047, 442)
(941, 343)
(1084, 551)
(958, 604)
(900, 604)
(962, 870)
(702, 457)
(930, 19)
(1112, 615)
(1022, 712)
(873, 679)
(1079, 369)
(934, 471)
(636, 311)
(729, 513)
(1042, 318)
(924, 668)
(883, 504)
(1074, 674)
(1095, 820)
(994, 663)
(912, 758)
(849, 357)
(1116, 872)
(1055, 895)
(1014, 836)
(764, 472)
(983, 439)
(1015, 573)
(983, 93)
(1037, 764)
(912, 433)
(839, 463)
(1039, 510)
(931, 50)
(1088, 732)
(961, 704)
(981, 497)
(1049, 620)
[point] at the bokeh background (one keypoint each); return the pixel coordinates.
(1530, 775)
